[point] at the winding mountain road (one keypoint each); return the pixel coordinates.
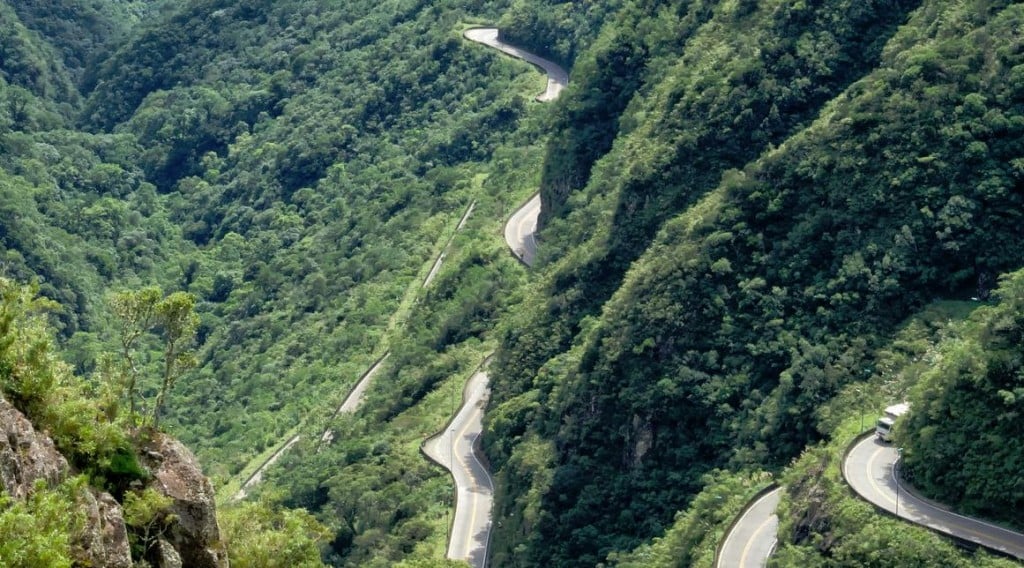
(752, 538)
(455, 448)
(257, 475)
(557, 77)
(520, 230)
(869, 469)
(351, 403)
(355, 397)
(522, 225)
(448, 245)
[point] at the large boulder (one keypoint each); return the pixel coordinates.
(166, 555)
(176, 474)
(104, 541)
(26, 456)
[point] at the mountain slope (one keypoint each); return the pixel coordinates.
(742, 201)
(763, 299)
(959, 439)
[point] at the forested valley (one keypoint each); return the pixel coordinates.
(762, 222)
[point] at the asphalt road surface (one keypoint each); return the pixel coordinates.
(455, 449)
(557, 77)
(520, 230)
(521, 227)
(753, 537)
(355, 397)
(869, 471)
(444, 252)
(257, 476)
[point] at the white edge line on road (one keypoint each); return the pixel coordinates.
(870, 469)
(753, 539)
(1000, 544)
(739, 521)
(928, 506)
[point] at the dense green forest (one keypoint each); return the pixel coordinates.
(751, 212)
(103, 445)
(780, 279)
(295, 168)
(959, 441)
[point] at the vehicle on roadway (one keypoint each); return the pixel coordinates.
(884, 426)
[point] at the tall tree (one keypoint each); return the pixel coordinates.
(174, 319)
(135, 309)
(176, 315)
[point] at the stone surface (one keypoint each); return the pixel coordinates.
(176, 474)
(26, 455)
(104, 540)
(166, 555)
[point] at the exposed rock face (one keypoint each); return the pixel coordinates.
(104, 542)
(26, 456)
(195, 534)
(813, 516)
(166, 556)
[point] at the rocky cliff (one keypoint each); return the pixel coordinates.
(176, 473)
(30, 462)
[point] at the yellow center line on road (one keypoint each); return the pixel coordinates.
(458, 457)
(920, 504)
(522, 233)
(871, 477)
(753, 539)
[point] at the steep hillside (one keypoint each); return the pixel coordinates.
(29, 66)
(296, 167)
(83, 484)
(771, 292)
(742, 201)
(961, 438)
(713, 99)
(77, 211)
(82, 32)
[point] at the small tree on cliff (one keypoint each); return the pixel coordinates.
(136, 310)
(176, 315)
(171, 318)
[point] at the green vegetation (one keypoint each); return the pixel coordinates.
(37, 532)
(693, 536)
(772, 291)
(262, 161)
(823, 524)
(47, 527)
(554, 29)
(742, 202)
(35, 382)
(261, 536)
(960, 438)
(146, 512)
(141, 311)
(82, 32)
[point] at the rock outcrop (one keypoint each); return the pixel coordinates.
(26, 456)
(176, 474)
(104, 542)
(166, 555)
